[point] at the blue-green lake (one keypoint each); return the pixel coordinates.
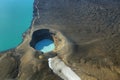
(15, 19)
(46, 45)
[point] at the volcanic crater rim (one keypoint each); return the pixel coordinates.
(53, 35)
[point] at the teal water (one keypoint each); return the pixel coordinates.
(45, 45)
(15, 19)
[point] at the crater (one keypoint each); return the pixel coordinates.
(47, 40)
(42, 40)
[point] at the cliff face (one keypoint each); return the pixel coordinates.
(86, 35)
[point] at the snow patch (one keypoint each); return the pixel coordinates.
(61, 69)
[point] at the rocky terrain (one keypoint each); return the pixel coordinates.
(86, 34)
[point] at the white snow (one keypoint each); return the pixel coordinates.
(62, 70)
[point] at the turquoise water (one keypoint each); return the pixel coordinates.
(15, 19)
(45, 45)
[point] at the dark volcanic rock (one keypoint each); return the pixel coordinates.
(86, 36)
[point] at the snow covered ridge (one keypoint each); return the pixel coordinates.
(62, 70)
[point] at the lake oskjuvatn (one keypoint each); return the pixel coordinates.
(15, 19)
